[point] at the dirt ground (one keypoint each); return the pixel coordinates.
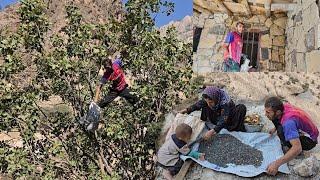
(251, 89)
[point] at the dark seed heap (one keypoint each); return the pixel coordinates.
(225, 149)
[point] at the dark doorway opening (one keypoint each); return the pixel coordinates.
(196, 38)
(251, 47)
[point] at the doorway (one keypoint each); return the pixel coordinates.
(196, 38)
(251, 47)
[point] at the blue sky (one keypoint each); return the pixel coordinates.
(3, 3)
(181, 9)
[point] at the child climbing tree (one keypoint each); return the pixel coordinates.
(66, 64)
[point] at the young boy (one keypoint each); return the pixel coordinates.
(115, 74)
(233, 46)
(168, 154)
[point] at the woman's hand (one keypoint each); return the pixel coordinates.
(183, 111)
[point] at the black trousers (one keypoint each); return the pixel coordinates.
(235, 121)
(125, 93)
(306, 143)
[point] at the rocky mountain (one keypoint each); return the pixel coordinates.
(184, 28)
(92, 11)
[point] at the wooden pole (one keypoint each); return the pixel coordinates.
(246, 4)
(220, 4)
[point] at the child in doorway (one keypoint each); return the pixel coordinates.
(169, 153)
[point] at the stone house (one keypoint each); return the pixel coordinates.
(280, 35)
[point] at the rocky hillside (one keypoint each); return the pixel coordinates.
(184, 28)
(92, 11)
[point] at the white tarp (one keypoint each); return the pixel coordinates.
(270, 147)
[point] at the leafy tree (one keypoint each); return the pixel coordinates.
(160, 67)
(34, 23)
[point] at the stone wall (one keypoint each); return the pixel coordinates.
(303, 32)
(209, 55)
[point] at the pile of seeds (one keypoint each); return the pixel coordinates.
(223, 149)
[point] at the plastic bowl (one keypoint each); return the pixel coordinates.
(253, 128)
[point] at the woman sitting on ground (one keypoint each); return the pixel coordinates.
(218, 108)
